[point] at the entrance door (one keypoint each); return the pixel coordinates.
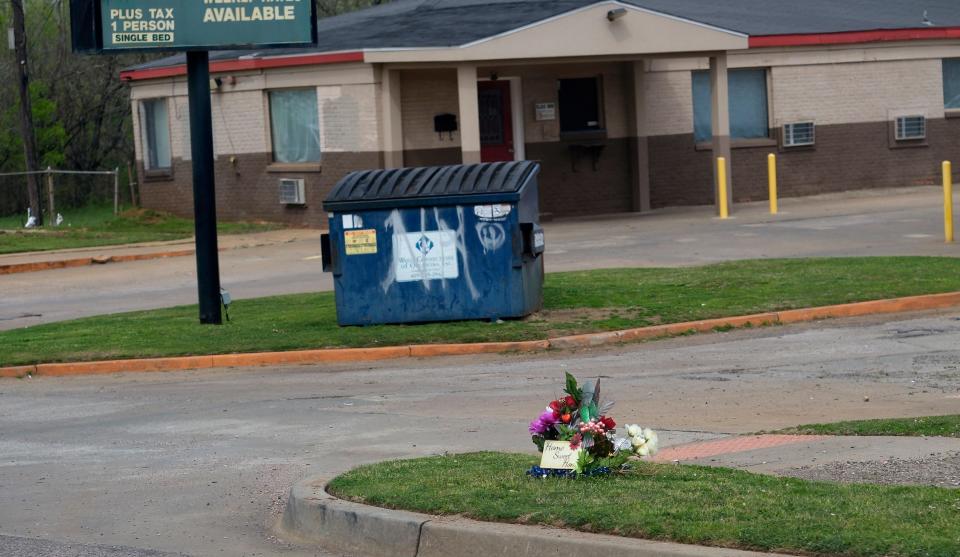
(496, 121)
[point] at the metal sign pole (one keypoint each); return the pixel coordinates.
(204, 200)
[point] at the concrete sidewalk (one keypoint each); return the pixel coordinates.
(152, 250)
(340, 526)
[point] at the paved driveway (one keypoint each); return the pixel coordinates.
(892, 222)
(200, 462)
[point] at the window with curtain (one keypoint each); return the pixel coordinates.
(748, 105)
(951, 83)
(156, 134)
(295, 125)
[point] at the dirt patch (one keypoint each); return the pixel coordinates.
(562, 322)
(586, 315)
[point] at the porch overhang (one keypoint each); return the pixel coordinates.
(603, 29)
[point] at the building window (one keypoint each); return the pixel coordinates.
(748, 105)
(580, 108)
(156, 134)
(951, 83)
(295, 126)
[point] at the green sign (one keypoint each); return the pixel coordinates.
(205, 24)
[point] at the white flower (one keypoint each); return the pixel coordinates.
(638, 442)
(653, 441)
(633, 430)
(643, 451)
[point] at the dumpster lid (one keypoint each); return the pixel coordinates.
(430, 186)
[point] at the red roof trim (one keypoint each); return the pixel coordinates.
(881, 35)
(247, 64)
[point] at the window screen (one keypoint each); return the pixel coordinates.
(295, 126)
(580, 104)
(156, 134)
(951, 83)
(748, 105)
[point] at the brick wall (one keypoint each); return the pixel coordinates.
(852, 105)
(570, 185)
(246, 178)
(856, 92)
(425, 94)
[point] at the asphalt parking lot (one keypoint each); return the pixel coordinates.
(201, 462)
(884, 222)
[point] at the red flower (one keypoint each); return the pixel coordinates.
(575, 442)
(555, 405)
(565, 418)
(608, 422)
(556, 414)
(570, 402)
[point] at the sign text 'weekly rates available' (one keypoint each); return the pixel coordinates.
(182, 24)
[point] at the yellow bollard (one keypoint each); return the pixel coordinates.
(947, 201)
(722, 186)
(772, 181)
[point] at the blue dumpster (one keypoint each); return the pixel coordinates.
(439, 243)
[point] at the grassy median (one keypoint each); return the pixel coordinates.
(929, 426)
(689, 504)
(575, 302)
(97, 226)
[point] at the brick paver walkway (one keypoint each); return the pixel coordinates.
(727, 445)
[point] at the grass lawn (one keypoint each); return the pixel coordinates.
(98, 226)
(930, 426)
(689, 504)
(575, 302)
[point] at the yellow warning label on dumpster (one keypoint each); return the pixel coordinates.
(359, 242)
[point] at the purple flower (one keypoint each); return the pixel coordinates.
(543, 423)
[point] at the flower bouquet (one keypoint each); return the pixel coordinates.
(580, 420)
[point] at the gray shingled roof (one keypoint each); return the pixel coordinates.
(445, 23)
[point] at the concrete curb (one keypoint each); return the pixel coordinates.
(876, 307)
(315, 516)
(84, 261)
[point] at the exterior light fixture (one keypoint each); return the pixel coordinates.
(616, 14)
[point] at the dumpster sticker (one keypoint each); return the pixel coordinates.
(425, 255)
(492, 212)
(352, 221)
(360, 242)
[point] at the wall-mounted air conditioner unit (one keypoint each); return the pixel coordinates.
(797, 134)
(911, 127)
(291, 191)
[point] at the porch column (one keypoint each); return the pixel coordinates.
(391, 123)
(637, 118)
(720, 113)
(469, 114)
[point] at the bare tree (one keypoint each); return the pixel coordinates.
(26, 113)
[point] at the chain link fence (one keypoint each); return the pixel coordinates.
(63, 191)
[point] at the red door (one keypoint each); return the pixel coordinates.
(496, 121)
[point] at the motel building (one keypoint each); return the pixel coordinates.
(625, 103)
